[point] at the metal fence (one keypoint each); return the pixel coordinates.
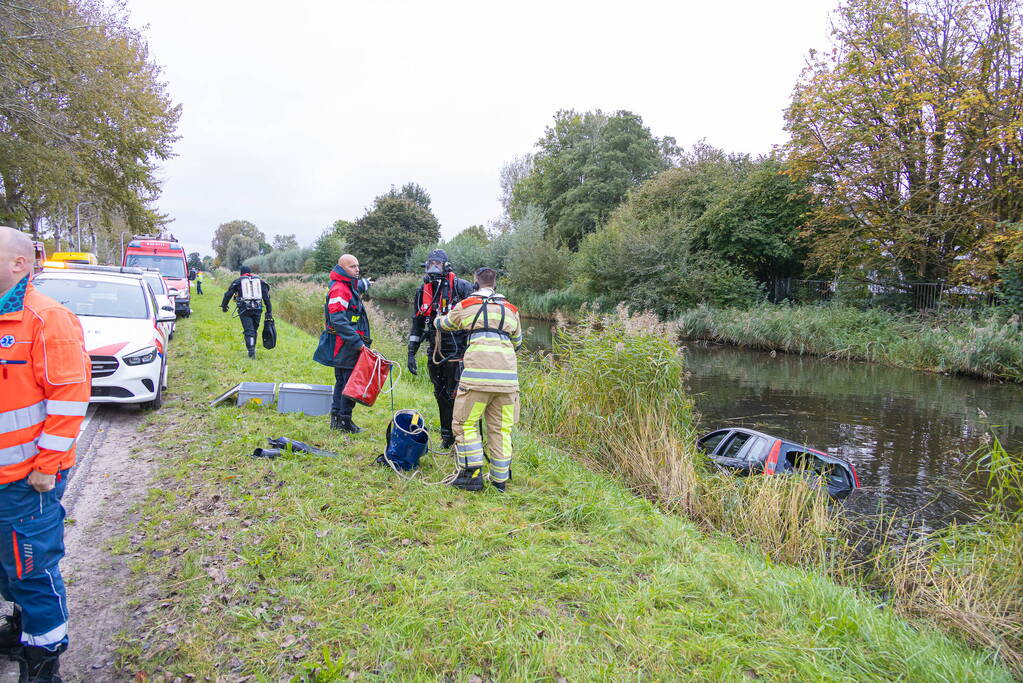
(902, 295)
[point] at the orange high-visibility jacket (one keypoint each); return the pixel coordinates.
(44, 384)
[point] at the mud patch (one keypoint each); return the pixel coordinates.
(114, 470)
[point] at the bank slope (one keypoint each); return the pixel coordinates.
(331, 568)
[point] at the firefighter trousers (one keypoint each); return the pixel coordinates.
(31, 545)
(500, 412)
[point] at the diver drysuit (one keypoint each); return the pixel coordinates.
(440, 291)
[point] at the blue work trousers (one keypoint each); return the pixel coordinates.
(31, 545)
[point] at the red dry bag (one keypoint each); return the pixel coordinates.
(368, 377)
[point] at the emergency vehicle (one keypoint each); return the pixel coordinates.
(121, 319)
(84, 257)
(168, 257)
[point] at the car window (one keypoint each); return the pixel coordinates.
(805, 462)
(170, 266)
(156, 282)
(710, 442)
(734, 446)
(754, 449)
(95, 298)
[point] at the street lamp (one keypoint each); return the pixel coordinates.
(78, 222)
(123, 233)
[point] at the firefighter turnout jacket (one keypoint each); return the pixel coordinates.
(44, 384)
(495, 333)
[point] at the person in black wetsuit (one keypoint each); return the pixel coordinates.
(250, 298)
(439, 292)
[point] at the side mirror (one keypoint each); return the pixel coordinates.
(166, 317)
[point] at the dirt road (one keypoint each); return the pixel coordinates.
(113, 472)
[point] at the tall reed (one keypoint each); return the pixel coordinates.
(616, 397)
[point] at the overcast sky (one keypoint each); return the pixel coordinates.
(297, 114)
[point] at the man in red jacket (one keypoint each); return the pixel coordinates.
(44, 394)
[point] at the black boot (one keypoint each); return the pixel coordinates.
(469, 479)
(447, 439)
(39, 665)
(335, 421)
(10, 632)
(499, 485)
(345, 424)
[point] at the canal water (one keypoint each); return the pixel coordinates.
(912, 436)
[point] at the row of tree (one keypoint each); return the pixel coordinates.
(84, 121)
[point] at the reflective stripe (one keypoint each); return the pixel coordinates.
(490, 374)
(491, 335)
(16, 454)
(70, 408)
(51, 637)
(20, 418)
(338, 300)
(412, 338)
(55, 443)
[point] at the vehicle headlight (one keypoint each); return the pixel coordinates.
(141, 357)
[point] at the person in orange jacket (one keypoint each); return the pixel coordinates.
(44, 395)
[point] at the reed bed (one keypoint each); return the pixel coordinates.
(990, 347)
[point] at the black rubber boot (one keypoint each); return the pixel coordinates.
(447, 439)
(499, 485)
(335, 421)
(39, 665)
(10, 632)
(469, 479)
(345, 424)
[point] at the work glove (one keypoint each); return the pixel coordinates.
(412, 367)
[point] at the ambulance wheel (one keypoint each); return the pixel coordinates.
(158, 399)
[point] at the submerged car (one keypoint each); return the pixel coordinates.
(121, 321)
(745, 452)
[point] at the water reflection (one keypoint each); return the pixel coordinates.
(910, 434)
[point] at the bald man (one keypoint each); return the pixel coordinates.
(44, 394)
(346, 332)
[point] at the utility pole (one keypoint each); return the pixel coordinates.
(78, 221)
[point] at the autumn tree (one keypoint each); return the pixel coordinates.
(84, 115)
(909, 132)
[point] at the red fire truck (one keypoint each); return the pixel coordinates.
(168, 257)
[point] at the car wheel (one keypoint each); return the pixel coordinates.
(158, 399)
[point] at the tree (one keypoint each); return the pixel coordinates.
(207, 263)
(239, 248)
(909, 132)
(385, 236)
(225, 231)
(513, 173)
(194, 260)
(284, 242)
(329, 246)
(584, 168)
(534, 262)
(412, 192)
(84, 115)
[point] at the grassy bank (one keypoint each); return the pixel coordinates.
(990, 347)
(332, 568)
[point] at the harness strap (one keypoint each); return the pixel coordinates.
(486, 320)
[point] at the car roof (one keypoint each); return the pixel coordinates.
(89, 275)
(788, 442)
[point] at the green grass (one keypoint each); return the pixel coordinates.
(332, 568)
(957, 343)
